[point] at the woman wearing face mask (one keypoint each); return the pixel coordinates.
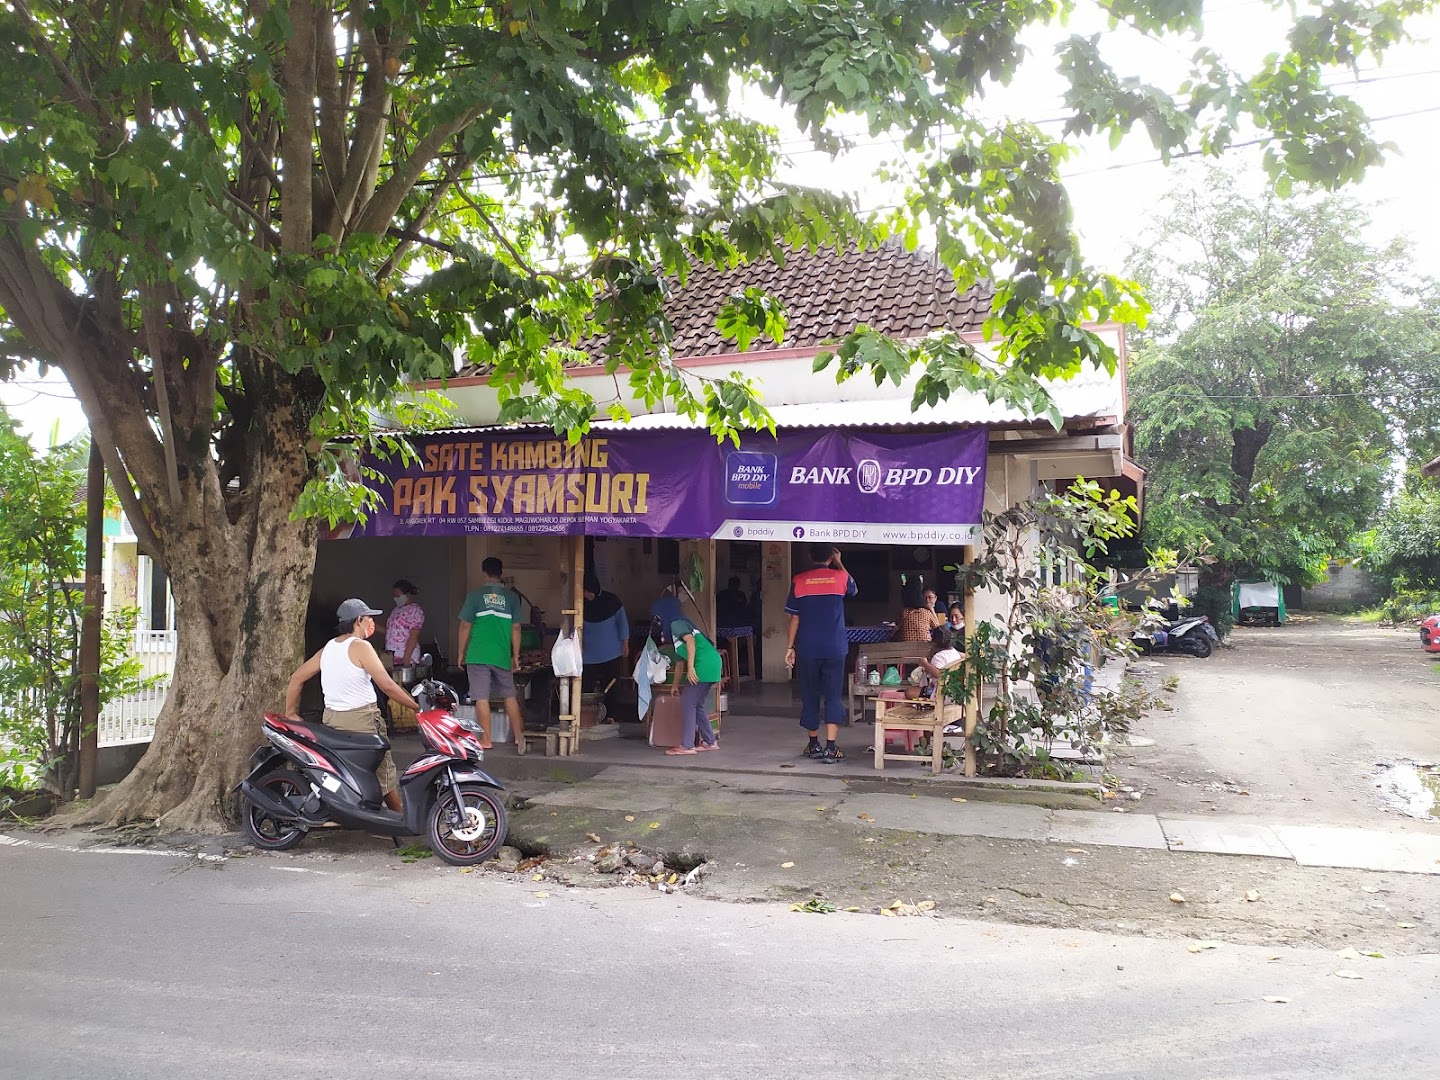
(402, 628)
(953, 632)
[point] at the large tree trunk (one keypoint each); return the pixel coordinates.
(241, 592)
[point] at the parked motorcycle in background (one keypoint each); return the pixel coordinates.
(1193, 635)
(309, 775)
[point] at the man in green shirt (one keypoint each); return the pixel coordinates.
(490, 646)
(699, 670)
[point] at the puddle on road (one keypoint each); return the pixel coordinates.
(1411, 788)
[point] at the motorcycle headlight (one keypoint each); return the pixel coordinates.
(472, 726)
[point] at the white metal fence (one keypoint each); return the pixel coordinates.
(131, 719)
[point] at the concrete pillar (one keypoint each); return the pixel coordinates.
(775, 574)
(1009, 479)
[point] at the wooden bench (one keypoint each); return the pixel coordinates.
(919, 716)
(926, 717)
(906, 655)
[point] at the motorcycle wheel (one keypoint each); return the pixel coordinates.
(470, 836)
(1196, 645)
(269, 833)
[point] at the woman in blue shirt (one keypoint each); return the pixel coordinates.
(605, 643)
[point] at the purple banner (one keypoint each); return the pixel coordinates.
(842, 486)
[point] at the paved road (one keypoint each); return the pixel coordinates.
(1296, 719)
(143, 965)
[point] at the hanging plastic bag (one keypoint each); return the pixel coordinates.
(892, 677)
(659, 666)
(650, 669)
(565, 656)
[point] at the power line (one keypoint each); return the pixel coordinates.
(1314, 395)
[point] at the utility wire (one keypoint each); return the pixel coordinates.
(1315, 395)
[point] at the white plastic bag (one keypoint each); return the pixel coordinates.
(650, 669)
(565, 656)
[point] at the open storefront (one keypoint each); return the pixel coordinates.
(641, 508)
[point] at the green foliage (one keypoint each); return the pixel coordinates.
(42, 520)
(353, 196)
(1216, 602)
(1408, 605)
(1406, 547)
(1278, 379)
(1057, 627)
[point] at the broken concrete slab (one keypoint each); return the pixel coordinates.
(1108, 830)
(1362, 849)
(1216, 836)
(1000, 821)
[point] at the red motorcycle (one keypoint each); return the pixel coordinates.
(309, 775)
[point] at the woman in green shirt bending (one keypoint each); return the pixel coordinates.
(696, 675)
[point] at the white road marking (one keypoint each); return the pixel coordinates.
(40, 845)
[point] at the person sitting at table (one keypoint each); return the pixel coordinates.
(605, 644)
(732, 606)
(952, 630)
(943, 659)
(916, 622)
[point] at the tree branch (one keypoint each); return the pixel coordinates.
(372, 116)
(84, 100)
(377, 214)
(456, 169)
(332, 105)
(297, 140)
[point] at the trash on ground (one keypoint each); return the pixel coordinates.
(815, 906)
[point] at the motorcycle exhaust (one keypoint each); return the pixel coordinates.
(275, 806)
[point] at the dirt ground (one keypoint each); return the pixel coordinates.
(1289, 725)
(1113, 890)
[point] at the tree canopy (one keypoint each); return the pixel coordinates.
(238, 227)
(1288, 365)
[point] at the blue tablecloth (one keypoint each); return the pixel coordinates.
(869, 635)
(725, 633)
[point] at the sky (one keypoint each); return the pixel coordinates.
(1116, 193)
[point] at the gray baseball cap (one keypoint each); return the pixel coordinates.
(352, 609)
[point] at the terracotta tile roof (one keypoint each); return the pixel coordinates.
(825, 294)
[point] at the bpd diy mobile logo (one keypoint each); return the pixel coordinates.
(751, 478)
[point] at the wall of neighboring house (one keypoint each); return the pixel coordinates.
(1346, 588)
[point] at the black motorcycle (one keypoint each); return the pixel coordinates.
(309, 775)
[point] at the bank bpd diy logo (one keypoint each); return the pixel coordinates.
(869, 476)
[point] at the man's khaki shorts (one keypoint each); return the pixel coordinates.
(367, 721)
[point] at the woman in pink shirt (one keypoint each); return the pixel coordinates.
(402, 627)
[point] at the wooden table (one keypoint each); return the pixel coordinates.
(733, 637)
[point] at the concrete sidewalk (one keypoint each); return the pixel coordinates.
(834, 800)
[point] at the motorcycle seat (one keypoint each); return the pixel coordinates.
(336, 739)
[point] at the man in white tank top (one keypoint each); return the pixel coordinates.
(347, 665)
